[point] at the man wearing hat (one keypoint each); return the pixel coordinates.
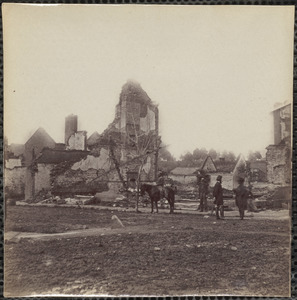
(218, 194)
(241, 196)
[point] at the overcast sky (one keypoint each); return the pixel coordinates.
(215, 71)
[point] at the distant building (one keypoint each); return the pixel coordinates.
(229, 170)
(184, 175)
(33, 147)
(39, 140)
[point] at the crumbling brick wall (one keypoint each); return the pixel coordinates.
(74, 182)
(42, 177)
(278, 164)
(14, 181)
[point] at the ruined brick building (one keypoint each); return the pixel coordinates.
(126, 150)
(115, 156)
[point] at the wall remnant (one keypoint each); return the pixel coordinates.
(77, 141)
(102, 161)
(11, 163)
(278, 164)
(14, 182)
(279, 156)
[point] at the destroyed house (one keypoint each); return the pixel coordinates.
(127, 148)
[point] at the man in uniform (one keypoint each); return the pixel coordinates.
(203, 192)
(218, 195)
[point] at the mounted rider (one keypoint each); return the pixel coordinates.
(163, 182)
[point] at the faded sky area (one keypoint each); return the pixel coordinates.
(215, 71)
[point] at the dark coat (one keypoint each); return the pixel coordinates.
(203, 189)
(241, 196)
(218, 193)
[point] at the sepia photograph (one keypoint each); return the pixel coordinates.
(147, 150)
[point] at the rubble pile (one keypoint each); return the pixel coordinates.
(109, 199)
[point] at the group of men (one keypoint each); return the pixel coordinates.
(203, 180)
(241, 196)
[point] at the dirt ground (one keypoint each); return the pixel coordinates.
(154, 254)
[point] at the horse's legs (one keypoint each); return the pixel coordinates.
(152, 206)
(156, 201)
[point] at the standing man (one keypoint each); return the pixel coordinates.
(218, 194)
(203, 189)
(202, 193)
(241, 196)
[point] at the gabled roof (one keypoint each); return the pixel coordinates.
(40, 133)
(201, 165)
(184, 171)
(225, 166)
(52, 156)
(93, 139)
(239, 160)
(210, 160)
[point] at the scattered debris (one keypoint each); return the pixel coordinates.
(233, 248)
(157, 249)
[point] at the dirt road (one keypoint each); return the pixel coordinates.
(181, 254)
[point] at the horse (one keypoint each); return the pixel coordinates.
(156, 193)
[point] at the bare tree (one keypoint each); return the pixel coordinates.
(142, 144)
